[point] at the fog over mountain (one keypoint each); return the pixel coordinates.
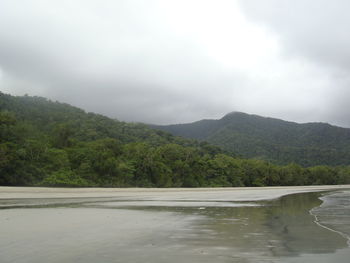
(180, 61)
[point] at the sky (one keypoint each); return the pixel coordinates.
(167, 61)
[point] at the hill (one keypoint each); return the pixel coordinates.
(46, 143)
(53, 143)
(270, 139)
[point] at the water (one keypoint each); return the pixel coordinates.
(334, 213)
(295, 228)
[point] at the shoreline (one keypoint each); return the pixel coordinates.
(86, 220)
(166, 194)
(317, 222)
(321, 224)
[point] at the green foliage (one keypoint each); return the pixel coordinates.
(273, 140)
(52, 144)
(63, 178)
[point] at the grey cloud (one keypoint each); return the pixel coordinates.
(316, 30)
(121, 67)
(130, 61)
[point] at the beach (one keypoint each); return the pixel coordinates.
(270, 224)
(210, 194)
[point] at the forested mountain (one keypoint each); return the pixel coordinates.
(274, 140)
(45, 143)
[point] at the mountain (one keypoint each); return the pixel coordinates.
(43, 142)
(47, 143)
(275, 140)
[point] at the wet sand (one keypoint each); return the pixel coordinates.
(165, 194)
(165, 225)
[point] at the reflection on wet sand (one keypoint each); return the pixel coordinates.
(271, 230)
(281, 228)
(108, 230)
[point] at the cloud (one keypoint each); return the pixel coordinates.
(169, 61)
(316, 31)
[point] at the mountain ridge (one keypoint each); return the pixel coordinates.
(271, 139)
(46, 143)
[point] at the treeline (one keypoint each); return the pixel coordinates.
(44, 143)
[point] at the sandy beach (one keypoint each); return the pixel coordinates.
(166, 194)
(165, 225)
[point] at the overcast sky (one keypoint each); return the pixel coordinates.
(167, 61)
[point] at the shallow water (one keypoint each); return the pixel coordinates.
(334, 213)
(112, 230)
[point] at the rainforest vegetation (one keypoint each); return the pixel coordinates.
(273, 140)
(46, 143)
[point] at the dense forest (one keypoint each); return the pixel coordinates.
(46, 143)
(273, 140)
